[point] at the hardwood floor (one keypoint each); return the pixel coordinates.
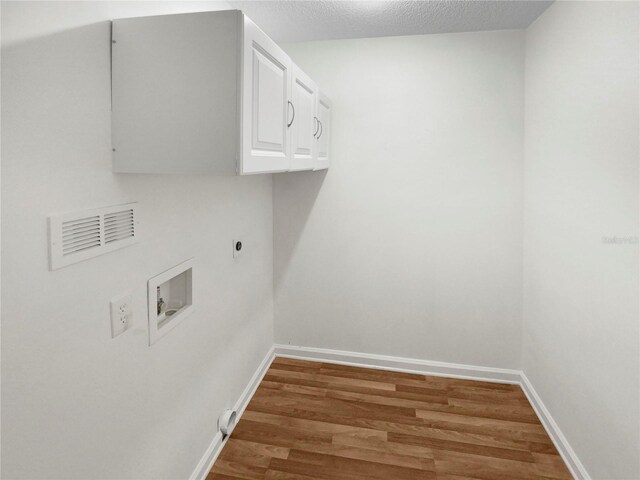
(311, 420)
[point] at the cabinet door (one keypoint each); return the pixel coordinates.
(304, 122)
(323, 135)
(266, 83)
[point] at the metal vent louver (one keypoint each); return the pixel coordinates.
(78, 236)
(118, 226)
(81, 234)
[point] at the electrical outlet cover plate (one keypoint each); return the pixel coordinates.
(121, 314)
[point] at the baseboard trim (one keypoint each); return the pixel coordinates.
(553, 430)
(215, 447)
(399, 364)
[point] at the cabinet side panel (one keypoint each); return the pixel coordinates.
(174, 93)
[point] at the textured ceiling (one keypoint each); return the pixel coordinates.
(299, 20)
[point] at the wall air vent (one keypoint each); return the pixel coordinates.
(78, 236)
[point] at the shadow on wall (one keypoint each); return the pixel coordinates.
(287, 229)
(67, 73)
(55, 158)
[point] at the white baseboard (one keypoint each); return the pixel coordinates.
(207, 461)
(215, 447)
(560, 441)
(399, 364)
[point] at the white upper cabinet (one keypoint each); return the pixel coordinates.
(209, 93)
(323, 134)
(304, 122)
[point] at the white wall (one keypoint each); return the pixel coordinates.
(411, 245)
(581, 319)
(76, 403)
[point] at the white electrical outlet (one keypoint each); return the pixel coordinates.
(237, 248)
(121, 314)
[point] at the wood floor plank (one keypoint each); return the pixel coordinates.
(348, 469)
(551, 466)
(238, 469)
(294, 361)
(303, 468)
(456, 463)
(496, 397)
(430, 415)
(423, 402)
(252, 453)
(276, 475)
(423, 395)
(464, 447)
(319, 377)
(277, 435)
(372, 371)
(346, 406)
(432, 381)
(221, 476)
(488, 426)
(312, 425)
(323, 421)
(444, 476)
(382, 446)
(383, 457)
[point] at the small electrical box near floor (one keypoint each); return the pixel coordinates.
(170, 299)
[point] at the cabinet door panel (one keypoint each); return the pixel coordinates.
(268, 99)
(323, 136)
(303, 144)
(265, 95)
